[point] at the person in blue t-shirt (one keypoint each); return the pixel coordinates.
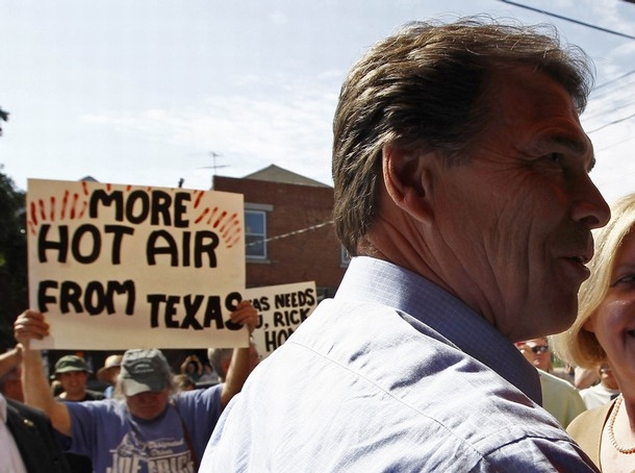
(146, 426)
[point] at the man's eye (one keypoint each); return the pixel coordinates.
(555, 157)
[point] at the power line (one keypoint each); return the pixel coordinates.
(606, 102)
(624, 99)
(614, 80)
(613, 90)
(601, 113)
(616, 144)
(625, 83)
(294, 232)
(303, 230)
(599, 28)
(614, 122)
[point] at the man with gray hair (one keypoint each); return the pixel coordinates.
(220, 359)
(462, 194)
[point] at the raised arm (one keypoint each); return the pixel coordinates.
(240, 365)
(192, 359)
(37, 393)
(10, 359)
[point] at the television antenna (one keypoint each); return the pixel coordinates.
(214, 165)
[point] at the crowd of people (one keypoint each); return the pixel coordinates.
(148, 423)
(462, 194)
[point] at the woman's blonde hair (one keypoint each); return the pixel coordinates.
(578, 346)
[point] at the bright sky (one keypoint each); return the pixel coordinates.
(143, 92)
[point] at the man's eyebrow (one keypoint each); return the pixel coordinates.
(574, 144)
(577, 146)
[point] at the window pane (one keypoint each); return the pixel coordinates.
(255, 222)
(255, 234)
(255, 246)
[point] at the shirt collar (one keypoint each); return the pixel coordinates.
(386, 283)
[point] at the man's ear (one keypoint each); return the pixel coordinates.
(408, 180)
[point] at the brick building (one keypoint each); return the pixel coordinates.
(288, 231)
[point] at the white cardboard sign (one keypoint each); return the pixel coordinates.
(118, 267)
(281, 310)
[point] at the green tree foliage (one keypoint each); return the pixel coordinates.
(13, 257)
(4, 116)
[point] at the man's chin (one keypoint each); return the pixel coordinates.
(562, 318)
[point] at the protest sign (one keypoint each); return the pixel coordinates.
(117, 267)
(281, 310)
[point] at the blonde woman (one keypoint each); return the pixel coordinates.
(604, 331)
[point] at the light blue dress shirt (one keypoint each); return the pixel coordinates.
(393, 374)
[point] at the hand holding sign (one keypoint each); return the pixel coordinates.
(245, 314)
(30, 325)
